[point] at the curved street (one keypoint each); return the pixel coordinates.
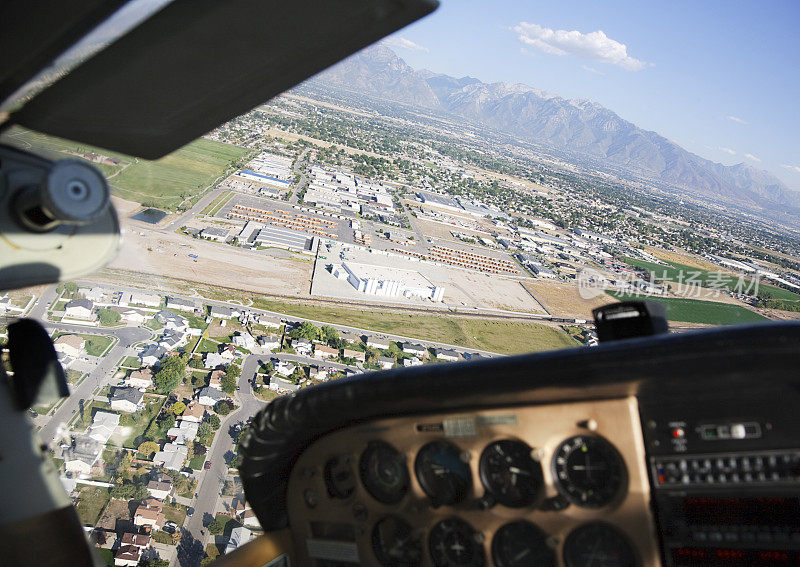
(126, 337)
(211, 481)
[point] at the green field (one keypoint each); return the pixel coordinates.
(675, 272)
(506, 337)
(136, 423)
(96, 344)
(163, 183)
(91, 501)
(169, 180)
(197, 462)
(697, 311)
(106, 556)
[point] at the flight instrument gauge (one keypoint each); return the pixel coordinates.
(453, 543)
(395, 544)
(339, 478)
(588, 471)
(521, 544)
(598, 544)
(384, 472)
(443, 474)
(510, 474)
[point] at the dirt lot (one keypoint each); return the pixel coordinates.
(159, 253)
(780, 315)
(441, 230)
(563, 300)
(116, 509)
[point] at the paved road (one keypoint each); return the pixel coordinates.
(39, 309)
(419, 234)
(100, 376)
(204, 201)
(299, 168)
(211, 481)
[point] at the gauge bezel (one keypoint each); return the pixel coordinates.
(435, 499)
(335, 460)
(619, 461)
(381, 557)
(378, 493)
(569, 541)
(478, 548)
(499, 561)
(535, 469)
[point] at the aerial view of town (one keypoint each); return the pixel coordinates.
(326, 234)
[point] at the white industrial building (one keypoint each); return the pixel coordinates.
(387, 282)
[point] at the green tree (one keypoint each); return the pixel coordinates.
(129, 491)
(232, 374)
(178, 408)
(305, 330)
(108, 316)
(148, 449)
(195, 362)
(205, 434)
(222, 408)
(70, 288)
(298, 375)
(170, 374)
(216, 526)
(213, 420)
(125, 465)
(329, 334)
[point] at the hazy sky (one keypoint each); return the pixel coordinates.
(720, 78)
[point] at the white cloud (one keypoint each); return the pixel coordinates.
(592, 70)
(728, 151)
(737, 119)
(793, 168)
(752, 157)
(403, 43)
(595, 45)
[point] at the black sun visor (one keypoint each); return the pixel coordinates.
(195, 64)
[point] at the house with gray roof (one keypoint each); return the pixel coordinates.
(172, 321)
(152, 354)
(79, 309)
(222, 312)
(128, 400)
(447, 354)
(210, 396)
(181, 304)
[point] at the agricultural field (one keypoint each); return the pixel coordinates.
(697, 311)
(163, 183)
(676, 272)
(166, 182)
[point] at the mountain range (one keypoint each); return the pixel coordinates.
(577, 126)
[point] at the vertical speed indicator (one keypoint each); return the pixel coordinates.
(588, 471)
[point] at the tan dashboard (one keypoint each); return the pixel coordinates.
(567, 485)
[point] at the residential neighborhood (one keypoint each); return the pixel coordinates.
(161, 388)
